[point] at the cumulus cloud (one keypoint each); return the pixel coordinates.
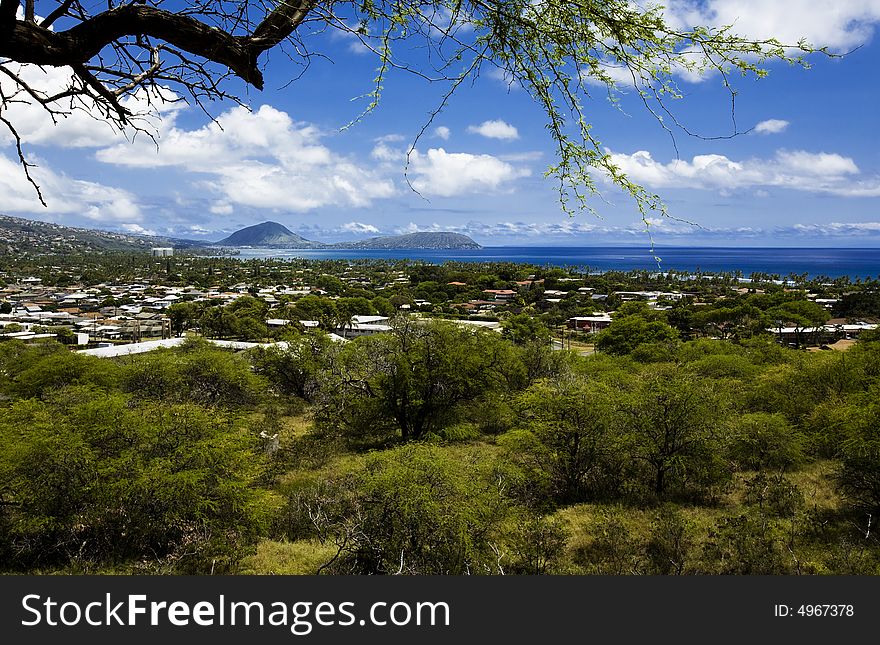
(446, 174)
(837, 25)
(442, 132)
(76, 128)
(63, 195)
(575, 228)
(137, 228)
(838, 229)
(495, 129)
(261, 159)
(358, 227)
(771, 126)
(819, 172)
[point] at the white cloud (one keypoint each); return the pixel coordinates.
(445, 174)
(358, 227)
(63, 195)
(442, 132)
(667, 227)
(820, 172)
(222, 208)
(771, 126)
(839, 25)
(391, 138)
(261, 159)
(383, 152)
(500, 75)
(76, 128)
(495, 129)
(137, 228)
(837, 229)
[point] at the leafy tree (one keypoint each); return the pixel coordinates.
(859, 305)
(802, 314)
(383, 306)
(634, 325)
(5, 307)
(858, 476)
(65, 336)
(571, 420)
(96, 477)
(295, 367)
(416, 510)
(523, 329)
(670, 424)
(217, 322)
(197, 373)
(182, 316)
(548, 48)
(34, 372)
(411, 379)
(765, 441)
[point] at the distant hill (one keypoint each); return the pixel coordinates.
(24, 236)
(441, 240)
(275, 235)
(270, 234)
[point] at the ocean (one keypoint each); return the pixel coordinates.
(831, 262)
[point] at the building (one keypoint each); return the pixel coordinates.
(502, 295)
(591, 324)
(162, 252)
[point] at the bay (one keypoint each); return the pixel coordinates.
(831, 262)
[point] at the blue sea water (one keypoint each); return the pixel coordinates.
(832, 262)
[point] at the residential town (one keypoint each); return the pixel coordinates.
(350, 299)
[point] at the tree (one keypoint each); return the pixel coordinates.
(411, 379)
(523, 329)
(294, 368)
(803, 314)
(571, 420)
(182, 316)
(198, 373)
(416, 510)
(139, 49)
(670, 422)
(633, 325)
(96, 477)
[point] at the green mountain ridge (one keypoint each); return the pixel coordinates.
(275, 235)
(19, 235)
(271, 234)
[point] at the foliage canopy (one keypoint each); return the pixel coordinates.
(127, 58)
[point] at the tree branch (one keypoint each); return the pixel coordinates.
(8, 11)
(55, 15)
(31, 43)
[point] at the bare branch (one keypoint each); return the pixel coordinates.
(60, 11)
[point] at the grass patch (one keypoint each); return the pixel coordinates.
(300, 558)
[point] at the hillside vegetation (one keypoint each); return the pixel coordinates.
(436, 449)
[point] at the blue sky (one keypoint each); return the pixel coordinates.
(809, 174)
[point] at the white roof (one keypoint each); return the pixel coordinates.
(151, 345)
(361, 320)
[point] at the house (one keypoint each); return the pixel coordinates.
(500, 294)
(591, 324)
